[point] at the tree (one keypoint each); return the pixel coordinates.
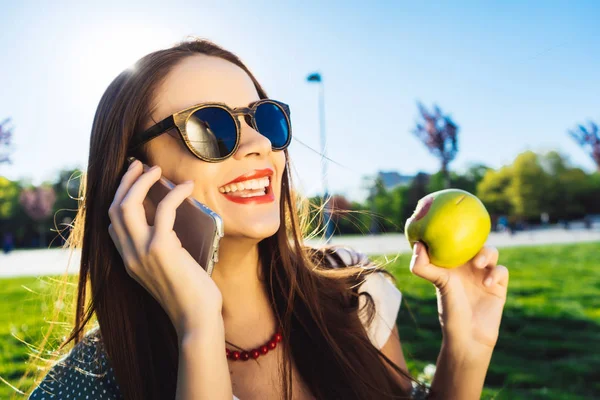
(529, 186)
(588, 139)
(412, 194)
(440, 135)
(468, 181)
(492, 190)
(591, 194)
(38, 203)
(339, 207)
(534, 184)
(383, 209)
(9, 194)
(475, 174)
(13, 218)
(569, 188)
(66, 188)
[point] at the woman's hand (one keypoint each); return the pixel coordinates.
(154, 256)
(470, 298)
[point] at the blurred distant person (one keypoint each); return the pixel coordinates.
(502, 223)
(545, 218)
(7, 242)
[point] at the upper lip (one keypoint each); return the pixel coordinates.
(255, 174)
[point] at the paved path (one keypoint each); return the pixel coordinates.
(55, 261)
(397, 243)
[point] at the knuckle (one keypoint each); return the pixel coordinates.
(155, 246)
(128, 261)
(125, 206)
(500, 270)
(165, 207)
(128, 173)
(132, 269)
(112, 211)
(162, 205)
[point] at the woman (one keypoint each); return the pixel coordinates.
(292, 324)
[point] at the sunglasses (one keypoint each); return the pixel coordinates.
(211, 131)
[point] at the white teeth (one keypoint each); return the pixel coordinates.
(262, 193)
(253, 184)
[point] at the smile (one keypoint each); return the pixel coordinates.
(252, 188)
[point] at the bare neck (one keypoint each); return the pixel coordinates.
(247, 315)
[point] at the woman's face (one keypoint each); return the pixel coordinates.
(200, 79)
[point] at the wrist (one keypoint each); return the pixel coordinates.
(460, 373)
(198, 326)
(466, 355)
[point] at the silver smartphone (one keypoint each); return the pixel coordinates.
(199, 228)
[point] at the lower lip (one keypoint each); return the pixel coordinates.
(266, 198)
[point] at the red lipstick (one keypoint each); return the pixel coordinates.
(256, 174)
(268, 197)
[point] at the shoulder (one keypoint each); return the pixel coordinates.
(380, 287)
(338, 256)
(387, 299)
(84, 373)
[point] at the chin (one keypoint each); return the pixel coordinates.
(256, 231)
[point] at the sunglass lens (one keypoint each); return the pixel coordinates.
(271, 122)
(212, 132)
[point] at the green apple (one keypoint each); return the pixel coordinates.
(452, 223)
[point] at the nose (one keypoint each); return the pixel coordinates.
(252, 142)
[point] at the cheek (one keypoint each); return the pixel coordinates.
(204, 177)
(280, 161)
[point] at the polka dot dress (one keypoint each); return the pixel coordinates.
(83, 374)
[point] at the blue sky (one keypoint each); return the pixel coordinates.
(513, 76)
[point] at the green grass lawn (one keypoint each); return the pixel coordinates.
(549, 346)
(25, 313)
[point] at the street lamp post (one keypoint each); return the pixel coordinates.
(316, 77)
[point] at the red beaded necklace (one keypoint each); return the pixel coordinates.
(255, 353)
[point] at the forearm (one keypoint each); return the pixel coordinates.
(460, 373)
(203, 370)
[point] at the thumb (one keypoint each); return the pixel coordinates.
(422, 267)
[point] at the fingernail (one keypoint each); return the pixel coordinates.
(416, 248)
(133, 164)
(153, 168)
(188, 182)
(481, 261)
(415, 255)
(488, 281)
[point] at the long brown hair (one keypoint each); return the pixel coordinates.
(317, 306)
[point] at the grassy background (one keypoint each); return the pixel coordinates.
(26, 312)
(549, 346)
